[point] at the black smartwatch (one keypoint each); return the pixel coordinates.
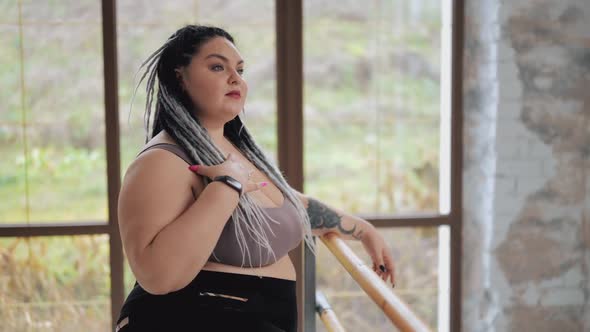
(235, 184)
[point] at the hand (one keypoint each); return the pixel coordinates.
(380, 254)
(232, 167)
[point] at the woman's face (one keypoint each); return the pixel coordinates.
(214, 81)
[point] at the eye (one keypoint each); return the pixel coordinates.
(241, 71)
(217, 67)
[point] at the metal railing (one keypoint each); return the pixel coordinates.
(326, 313)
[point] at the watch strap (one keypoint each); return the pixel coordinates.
(231, 182)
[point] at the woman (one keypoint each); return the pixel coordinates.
(209, 244)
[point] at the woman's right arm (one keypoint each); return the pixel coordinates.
(167, 243)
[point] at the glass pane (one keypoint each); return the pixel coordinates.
(55, 284)
(372, 81)
(416, 258)
(10, 74)
(12, 176)
(243, 12)
(8, 12)
(13, 201)
(66, 11)
(63, 153)
(145, 26)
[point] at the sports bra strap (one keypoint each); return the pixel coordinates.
(177, 150)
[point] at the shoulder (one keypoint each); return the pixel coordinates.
(161, 137)
(161, 167)
(154, 160)
(157, 168)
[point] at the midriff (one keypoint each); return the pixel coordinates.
(282, 269)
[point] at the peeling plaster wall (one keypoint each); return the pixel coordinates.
(526, 256)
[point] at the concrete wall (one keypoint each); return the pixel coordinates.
(526, 258)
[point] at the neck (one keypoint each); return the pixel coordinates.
(216, 134)
(215, 131)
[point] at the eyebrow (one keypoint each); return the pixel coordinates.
(215, 55)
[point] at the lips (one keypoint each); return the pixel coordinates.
(234, 94)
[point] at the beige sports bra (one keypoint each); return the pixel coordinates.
(288, 232)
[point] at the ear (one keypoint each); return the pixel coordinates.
(180, 77)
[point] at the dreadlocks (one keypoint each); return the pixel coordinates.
(175, 113)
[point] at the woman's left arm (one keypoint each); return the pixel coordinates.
(325, 219)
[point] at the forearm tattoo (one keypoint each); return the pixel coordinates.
(321, 216)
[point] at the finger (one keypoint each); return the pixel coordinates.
(228, 158)
(389, 264)
(376, 265)
(386, 272)
(377, 270)
(256, 186)
(378, 261)
(383, 271)
(198, 169)
(389, 277)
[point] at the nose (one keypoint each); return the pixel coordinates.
(235, 78)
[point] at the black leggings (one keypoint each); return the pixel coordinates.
(215, 301)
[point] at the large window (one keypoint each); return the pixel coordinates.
(53, 166)
(52, 113)
(376, 83)
(375, 100)
(372, 104)
(56, 283)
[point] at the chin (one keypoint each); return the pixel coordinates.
(233, 112)
(230, 115)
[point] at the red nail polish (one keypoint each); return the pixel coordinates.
(193, 168)
(264, 184)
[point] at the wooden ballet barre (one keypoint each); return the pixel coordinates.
(394, 308)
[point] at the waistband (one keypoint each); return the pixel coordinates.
(271, 299)
(242, 283)
(238, 284)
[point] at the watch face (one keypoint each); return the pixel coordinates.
(230, 182)
(235, 183)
